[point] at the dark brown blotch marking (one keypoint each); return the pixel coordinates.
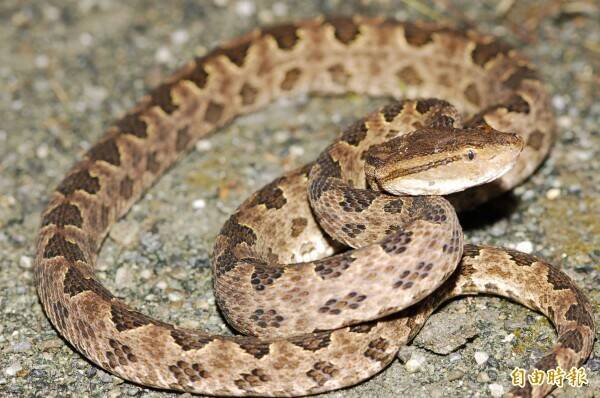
(255, 348)
(357, 200)
(313, 342)
(535, 140)
(572, 339)
(248, 94)
(335, 306)
(255, 378)
(442, 121)
(472, 94)
(107, 151)
(161, 97)
(484, 52)
(391, 111)
(198, 75)
(286, 35)
(236, 53)
(125, 319)
(520, 258)
(271, 196)
(322, 372)
(75, 282)
(79, 180)
(355, 133)
(182, 139)
(518, 76)
(186, 373)
(332, 267)
(189, 340)
(517, 104)
(152, 163)
(394, 206)
(64, 214)
(417, 36)
(345, 29)
(327, 168)
(397, 242)
(353, 229)
(577, 312)
(264, 276)
(133, 124)
(290, 79)
(121, 353)
(339, 74)
(435, 213)
(213, 113)
(408, 75)
(126, 188)
(424, 105)
(266, 318)
(377, 350)
(298, 226)
(59, 246)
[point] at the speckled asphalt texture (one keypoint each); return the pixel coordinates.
(70, 67)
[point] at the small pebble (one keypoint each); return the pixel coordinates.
(21, 346)
(455, 374)
(203, 145)
(415, 363)
(245, 8)
(496, 390)
(162, 285)
(198, 204)
(481, 357)
(25, 262)
(553, 193)
(508, 338)
(163, 55)
(124, 277)
(179, 37)
(524, 246)
(175, 296)
(12, 369)
(483, 377)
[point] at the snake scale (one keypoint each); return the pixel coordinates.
(325, 322)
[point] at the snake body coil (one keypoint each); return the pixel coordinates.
(481, 76)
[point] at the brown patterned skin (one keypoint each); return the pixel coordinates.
(479, 75)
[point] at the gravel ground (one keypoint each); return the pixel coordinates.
(70, 67)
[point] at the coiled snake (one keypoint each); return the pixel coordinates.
(323, 323)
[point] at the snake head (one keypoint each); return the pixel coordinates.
(440, 161)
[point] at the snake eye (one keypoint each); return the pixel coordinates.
(470, 154)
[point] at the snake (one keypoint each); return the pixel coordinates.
(328, 270)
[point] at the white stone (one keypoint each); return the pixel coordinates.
(524, 246)
(481, 357)
(508, 338)
(496, 390)
(12, 369)
(245, 8)
(25, 262)
(198, 204)
(162, 285)
(553, 193)
(203, 145)
(124, 276)
(163, 55)
(179, 37)
(415, 363)
(86, 39)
